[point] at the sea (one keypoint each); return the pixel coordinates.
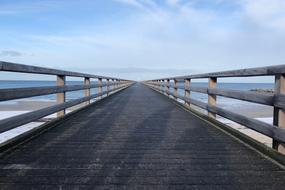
(224, 102)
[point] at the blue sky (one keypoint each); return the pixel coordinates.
(142, 39)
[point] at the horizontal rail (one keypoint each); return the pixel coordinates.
(17, 93)
(260, 71)
(13, 122)
(277, 100)
(21, 68)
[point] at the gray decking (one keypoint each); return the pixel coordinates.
(137, 139)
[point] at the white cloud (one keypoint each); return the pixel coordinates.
(268, 13)
(171, 35)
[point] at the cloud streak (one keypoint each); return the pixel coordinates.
(196, 35)
(10, 53)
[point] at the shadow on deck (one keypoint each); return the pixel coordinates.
(137, 139)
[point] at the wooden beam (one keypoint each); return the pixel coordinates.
(175, 92)
(100, 87)
(280, 117)
(14, 67)
(17, 93)
(87, 91)
(212, 99)
(108, 87)
(60, 97)
(160, 86)
(187, 92)
(168, 87)
(259, 71)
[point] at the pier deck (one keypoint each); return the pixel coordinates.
(137, 139)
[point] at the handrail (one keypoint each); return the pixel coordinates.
(21, 68)
(111, 84)
(277, 99)
(251, 72)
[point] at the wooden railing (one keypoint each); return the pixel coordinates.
(112, 85)
(277, 99)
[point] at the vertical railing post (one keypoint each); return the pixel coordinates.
(108, 86)
(87, 91)
(60, 97)
(161, 87)
(279, 114)
(156, 85)
(187, 92)
(212, 99)
(113, 85)
(100, 87)
(168, 87)
(175, 92)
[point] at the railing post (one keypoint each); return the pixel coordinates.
(168, 87)
(163, 89)
(279, 114)
(108, 86)
(156, 85)
(60, 97)
(187, 92)
(100, 87)
(175, 89)
(212, 99)
(160, 85)
(87, 91)
(113, 85)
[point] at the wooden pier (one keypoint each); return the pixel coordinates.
(134, 137)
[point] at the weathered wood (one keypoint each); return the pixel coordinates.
(13, 67)
(168, 87)
(175, 89)
(260, 71)
(18, 93)
(108, 86)
(254, 97)
(211, 97)
(276, 109)
(199, 89)
(113, 84)
(60, 97)
(100, 86)
(87, 91)
(281, 113)
(187, 92)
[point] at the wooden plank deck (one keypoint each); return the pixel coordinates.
(137, 139)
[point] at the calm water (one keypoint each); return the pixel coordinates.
(199, 96)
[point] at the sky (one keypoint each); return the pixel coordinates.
(143, 39)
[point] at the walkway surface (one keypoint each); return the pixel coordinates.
(137, 139)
